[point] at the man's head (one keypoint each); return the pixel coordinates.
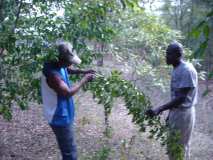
(174, 53)
(67, 55)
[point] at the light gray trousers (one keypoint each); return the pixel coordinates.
(182, 120)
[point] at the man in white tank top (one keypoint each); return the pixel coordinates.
(57, 91)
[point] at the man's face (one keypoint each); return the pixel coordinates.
(171, 57)
(68, 57)
(66, 63)
(174, 53)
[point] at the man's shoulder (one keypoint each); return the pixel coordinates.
(49, 68)
(186, 76)
(48, 65)
(187, 67)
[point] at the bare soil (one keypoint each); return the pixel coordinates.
(28, 136)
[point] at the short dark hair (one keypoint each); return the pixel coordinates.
(64, 46)
(176, 48)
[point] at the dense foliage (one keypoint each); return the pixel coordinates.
(29, 30)
(194, 19)
(106, 89)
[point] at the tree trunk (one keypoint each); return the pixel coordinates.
(176, 16)
(100, 60)
(19, 6)
(190, 23)
(210, 46)
(1, 10)
(181, 12)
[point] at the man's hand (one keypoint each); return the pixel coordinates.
(89, 77)
(153, 112)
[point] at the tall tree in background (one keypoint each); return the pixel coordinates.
(28, 30)
(190, 17)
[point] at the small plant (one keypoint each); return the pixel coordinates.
(84, 121)
(108, 132)
(175, 149)
(126, 148)
(102, 154)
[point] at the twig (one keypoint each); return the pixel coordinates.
(1, 10)
(17, 16)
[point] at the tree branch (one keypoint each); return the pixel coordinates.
(17, 16)
(1, 10)
(1, 51)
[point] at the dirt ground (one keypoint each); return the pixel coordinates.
(28, 137)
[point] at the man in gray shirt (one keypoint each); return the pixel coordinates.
(184, 86)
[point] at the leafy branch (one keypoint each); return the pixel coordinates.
(105, 90)
(202, 29)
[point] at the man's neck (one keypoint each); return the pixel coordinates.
(56, 64)
(59, 64)
(175, 65)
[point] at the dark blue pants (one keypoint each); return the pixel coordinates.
(66, 142)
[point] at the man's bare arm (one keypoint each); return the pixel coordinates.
(172, 104)
(177, 101)
(79, 71)
(61, 88)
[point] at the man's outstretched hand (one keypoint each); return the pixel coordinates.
(152, 112)
(89, 77)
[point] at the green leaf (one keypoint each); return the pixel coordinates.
(206, 31)
(84, 24)
(6, 111)
(210, 14)
(199, 53)
(129, 4)
(23, 104)
(195, 32)
(206, 92)
(210, 75)
(200, 25)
